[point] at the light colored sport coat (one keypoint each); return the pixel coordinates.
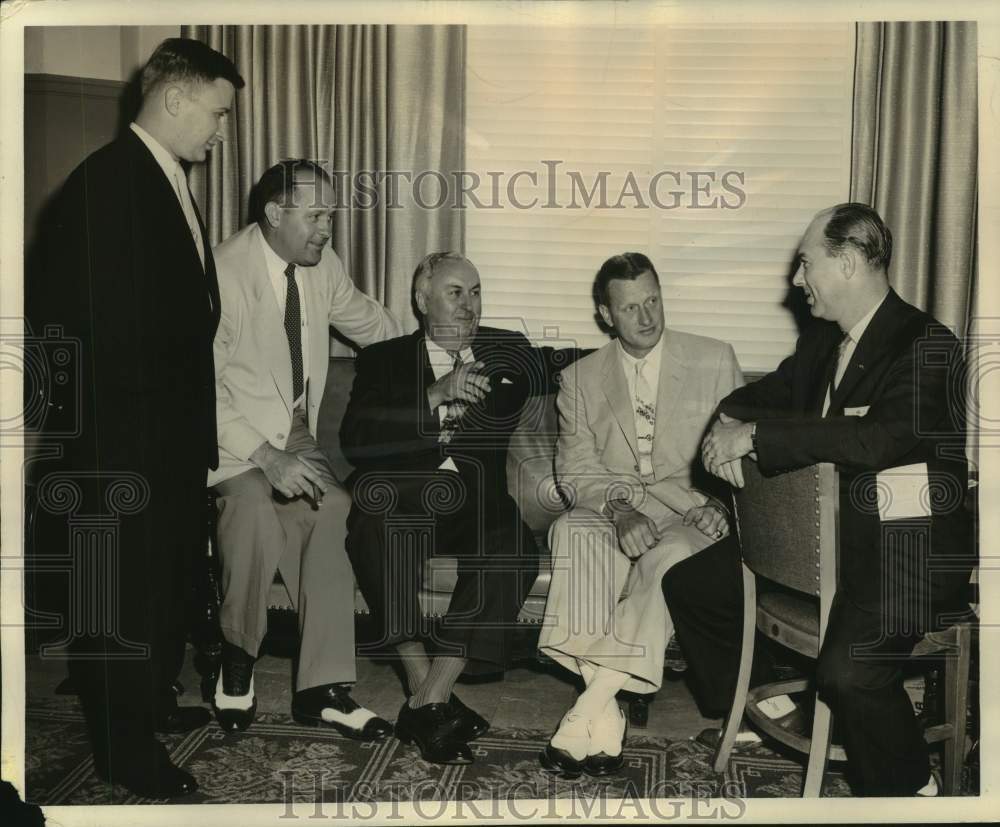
(253, 363)
(597, 457)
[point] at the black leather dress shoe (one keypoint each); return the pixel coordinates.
(181, 719)
(793, 721)
(236, 681)
(559, 761)
(603, 764)
(433, 728)
(470, 723)
(332, 705)
(150, 776)
(236, 720)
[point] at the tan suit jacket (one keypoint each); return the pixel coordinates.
(253, 366)
(597, 457)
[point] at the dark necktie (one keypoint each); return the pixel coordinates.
(836, 373)
(293, 328)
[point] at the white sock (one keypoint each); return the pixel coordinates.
(600, 692)
(776, 707)
(745, 735)
(573, 735)
(224, 701)
(606, 732)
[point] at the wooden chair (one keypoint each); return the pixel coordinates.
(788, 530)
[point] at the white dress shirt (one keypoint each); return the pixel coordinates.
(853, 337)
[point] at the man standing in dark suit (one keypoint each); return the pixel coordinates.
(427, 429)
(871, 388)
(129, 274)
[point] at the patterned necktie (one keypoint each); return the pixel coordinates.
(293, 328)
(187, 206)
(645, 419)
(450, 423)
(838, 374)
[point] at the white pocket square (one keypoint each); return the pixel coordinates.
(859, 411)
(505, 381)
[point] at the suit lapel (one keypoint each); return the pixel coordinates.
(620, 402)
(673, 372)
(163, 191)
(318, 344)
(822, 378)
(274, 340)
(881, 330)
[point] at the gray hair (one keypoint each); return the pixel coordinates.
(425, 270)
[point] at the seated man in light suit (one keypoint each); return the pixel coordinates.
(631, 419)
(280, 507)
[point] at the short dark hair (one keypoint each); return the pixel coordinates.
(861, 227)
(278, 184)
(184, 59)
(627, 266)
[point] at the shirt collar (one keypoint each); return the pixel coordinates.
(439, 356)
(275, 263)
(652, 358)
(859, 329)
(168, 163)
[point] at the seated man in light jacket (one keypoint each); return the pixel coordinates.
(631, 419)
(280, 507)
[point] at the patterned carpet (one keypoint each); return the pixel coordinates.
(277, 761)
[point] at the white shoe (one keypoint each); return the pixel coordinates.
(930, 789)
(573, 735)
(607, 732)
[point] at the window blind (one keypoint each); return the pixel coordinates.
(708, 148)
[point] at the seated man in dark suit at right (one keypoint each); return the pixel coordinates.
(427, 428)
(868, 388)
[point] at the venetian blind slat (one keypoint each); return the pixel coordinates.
(598, 141)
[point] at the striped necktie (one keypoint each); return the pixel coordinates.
(450, 423)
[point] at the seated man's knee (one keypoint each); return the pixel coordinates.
(841, 675)
(336, 503)
(251, 489)
(580, 528)
(682, 584)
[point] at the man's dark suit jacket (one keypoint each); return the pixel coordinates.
(120, 273)
(908, 370)
(389, 426)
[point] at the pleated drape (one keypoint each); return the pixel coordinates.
(367, 102)
(914, 157)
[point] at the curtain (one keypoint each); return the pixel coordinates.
(365, 101)
(914, 157)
